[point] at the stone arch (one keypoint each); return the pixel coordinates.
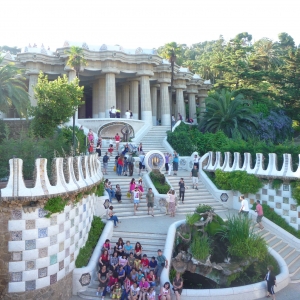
(109, 130)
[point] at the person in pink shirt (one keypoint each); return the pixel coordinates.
(260, 214)
(144, 286)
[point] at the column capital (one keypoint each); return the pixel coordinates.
(110, 70)
(145, 73)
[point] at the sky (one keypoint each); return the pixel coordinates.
(140, 23)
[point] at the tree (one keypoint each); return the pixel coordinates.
(57, 101)
(13, 89)
(232, 115)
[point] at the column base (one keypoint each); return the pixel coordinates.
(147, 117)
(166, 120)
(154, 121)
(135, 116)
(102, 115)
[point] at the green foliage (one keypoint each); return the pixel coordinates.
(76, 58)
(243, 242)
(57, 101)
(192, 219)
(86, 252)
(237, 181)
(276, 184)
(172, 274)
(2, 130)
(80, 138)
(159, 181)
(55, 205)
(200, 247)
(215, 226)
(296, 191)
(270, 214)
(202, 208)
(100, 189)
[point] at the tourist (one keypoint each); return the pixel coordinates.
(109, 189)
(110, 149)
(151, 278)
(91, 147)
(144, 286)
(175, 162)
(120, 164)
(117, 291)
(128, 248)
(117, 139)
(104, 259)
(162, 263)
(131, 114)
(133, 275)
(116, 163)
(126, 149)
(182, 188)
(140, 147)
(137, 255)
(113, 112)
(90, 136)
(134, 291)
(127, 114)
(153, 265)
(179, 118)
(142, 162)
(196, 161)
(121, 274)
(165, 293)
(119, 248)
(103, 278)
(118, 193)
(126, 290)
(107, 246)
(132, 187)
(151, 295)
(114, 261)
(118, 113)
(173, 121)
(140, 276)
(244, 206)
(194, 176)
(130, 162)
(177, 285)
(111, 216)
(112, 280)
(170, 164)
(167, 157)
(136, 199)
(260, 214)
(145, 264)
(105, 163)
(130, 260)
(98, 147)
(150, 201)
(172, 203)
(271, 281)
(141, 188)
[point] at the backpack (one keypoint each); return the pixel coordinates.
(105, 158)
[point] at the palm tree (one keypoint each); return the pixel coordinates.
(13, 89)
(76, 60)
(232, 115)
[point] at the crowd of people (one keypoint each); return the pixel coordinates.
(126, 272)
(116, 113)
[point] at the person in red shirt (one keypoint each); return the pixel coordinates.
(120, 165)
(151, 278)
(145, 264)
(117, 139)
(104, 259)
(113, 279)
(260, 214)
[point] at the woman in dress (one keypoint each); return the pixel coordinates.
(177, 285)
(137, 255)
(98, 147)
(132, 188)
(90, 136)
(171, 207)
(140, 186)
(165, 293)
(140, 148)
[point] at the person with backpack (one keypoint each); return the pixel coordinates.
(142, 162)
(105, 163)
(130, 162)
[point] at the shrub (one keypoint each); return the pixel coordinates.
(202, 208)
(100, 189)
(296, 191)
(192, 219)
(276, 184)
(55, 205)
(159, 181)
(85, 252)
(200, 247)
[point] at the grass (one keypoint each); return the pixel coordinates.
(200, 247)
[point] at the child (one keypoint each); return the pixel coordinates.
(145, 264)
(140, 186)
(117, 291)
(126, 289)
(134, 291)
(121, 274)
(128, 248)
(153, 265)
(110, 149)
(106, 246)
(118, 193)
(133, 275)
(140, 276)
(151, 293)
(151, 278)
(131, 260)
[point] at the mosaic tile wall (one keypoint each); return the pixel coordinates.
(44, 250)
(280, 200)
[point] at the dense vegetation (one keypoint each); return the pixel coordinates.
(159, 181)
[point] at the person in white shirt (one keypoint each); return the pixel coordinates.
(244, 206)
(127, 114)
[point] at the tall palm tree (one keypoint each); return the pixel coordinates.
(76, 60)
(227, 113)
(13, 89)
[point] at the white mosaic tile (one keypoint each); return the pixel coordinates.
(61, 274)
(30, 234)
(72, 213)
(16, 287)
(72, 231)
(67, 243)
(53, 249)
(16, 225)
(53, 269)
(16, 246)
(61, 237)
(42, 243)
(67, 208)
(30, 216)
(42, 262)
(61, 256)
(67, 225)
(53, 230)
(30, 254)
(16, 266)
(60, 218)
(42, 282)
(30, 275)
(42, 222)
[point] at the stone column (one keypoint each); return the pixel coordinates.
(95, 99)
(202, 95)
(180, 105)
(119, 97)
(154, 104)
(158, 107)
(146, 111)
(134, 98)
(165, 104)
(102, 96)
(125, 100)
(192, 106)
(110, 92)
(33, 79)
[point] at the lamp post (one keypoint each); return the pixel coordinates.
(172, 61)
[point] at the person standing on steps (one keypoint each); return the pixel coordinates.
(175, 162)
(172, 202)
(182, 188)
(136, 199)
(150, 201)
(170, 164)
(196, 161)
(194, 176)
(244, 206)
(130, 162)
(162, 263)
(167, 157)
(142, 162)
(271, 281)
(127, 114)
(105, 163)
(117, 139)
(260, 214)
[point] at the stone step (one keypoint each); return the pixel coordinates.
(269, 237)
(295, 267)
(295, 278)
(292, 257)
(280, 247)
(287, 251)
(133, 234)
(274, 242)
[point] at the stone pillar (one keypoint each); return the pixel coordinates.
(134, 98)
(125, 100)
(180, 105)
(202, 95)
(110, 92)
(146, 111)
(119, 97)
(102, 96)
(165, 104)
(95, 99)
(158, 107)
(192, 106)
(154, 104)
(33, 79)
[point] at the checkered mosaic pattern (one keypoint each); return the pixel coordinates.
(44, 250)
(280, 200)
